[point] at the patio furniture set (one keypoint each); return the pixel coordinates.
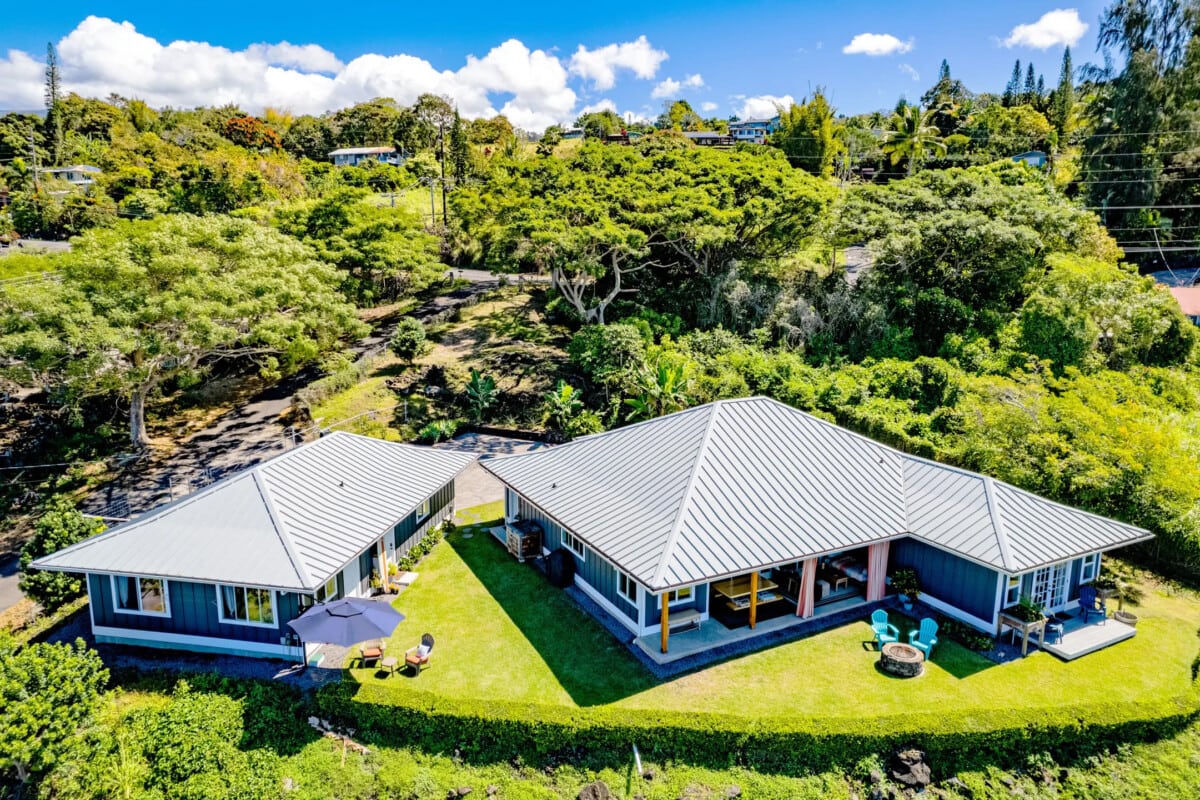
(897, 658)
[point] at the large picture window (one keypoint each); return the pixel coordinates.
(247, 605)
(133, 595)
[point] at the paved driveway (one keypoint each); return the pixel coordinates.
(475, 486)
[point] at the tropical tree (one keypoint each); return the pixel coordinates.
(809, 135)
(47, 693)
(481, 394)
(911, 137)
(563, 412)
(145, 304)
(60, 525)
(664, 390)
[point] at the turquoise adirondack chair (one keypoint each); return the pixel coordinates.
(925, 637)
(884, 631)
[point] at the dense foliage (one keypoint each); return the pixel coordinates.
(146, 303)
(59, 525)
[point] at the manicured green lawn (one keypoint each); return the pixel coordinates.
(503, 633)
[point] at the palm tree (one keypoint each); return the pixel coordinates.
(912, 134)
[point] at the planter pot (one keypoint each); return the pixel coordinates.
(1126, 617)
(907, 601)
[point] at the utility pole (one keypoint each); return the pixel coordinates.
(432, 204)
(442, 147)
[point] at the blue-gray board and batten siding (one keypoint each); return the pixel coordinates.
(953, 580)
(592, 568)
(194, 609)
(193, 612)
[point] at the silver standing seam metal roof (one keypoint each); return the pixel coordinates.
(288, 523)
(737, 485)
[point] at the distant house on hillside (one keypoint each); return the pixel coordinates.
(353, 156)
(754, 131)
(710, 138)
(81, 175)
(1189, 301)
(573, 133)
(1034, 158)
(624, 137)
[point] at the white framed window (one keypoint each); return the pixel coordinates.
(423, 511)
(573, 544)
(247, 605)
(627, 587)
(134, 595)
(328, 591)
(680, 596)
(1089, 568)
(1012, 592)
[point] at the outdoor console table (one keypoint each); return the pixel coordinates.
(1025, 628)
(747, 592)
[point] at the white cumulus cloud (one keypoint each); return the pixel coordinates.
(600, 65)
(671, 87)
(1060, 26)
(708, 107)
(603, 105)
(910, 71)
(102, 56)
(764, 106)
(306, 57)
(877, 44)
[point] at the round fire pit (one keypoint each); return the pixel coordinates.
(901, 659)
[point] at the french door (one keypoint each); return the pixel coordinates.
(1050, 586)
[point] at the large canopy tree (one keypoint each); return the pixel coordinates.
(598, 220)
(145, 303)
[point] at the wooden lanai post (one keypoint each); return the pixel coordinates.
(753, 598)
(666, 631)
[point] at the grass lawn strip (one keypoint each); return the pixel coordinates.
(505, 635)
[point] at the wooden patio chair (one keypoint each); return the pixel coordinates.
(1090, 602)
(370, 652)
(417, 658)
(885, 632)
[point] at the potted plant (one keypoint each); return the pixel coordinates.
(376, 583)
(1126, 591)
(906, 582)
(1106, 585)
(1026, 610)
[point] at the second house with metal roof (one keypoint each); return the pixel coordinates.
(751, 513)
(225, 569)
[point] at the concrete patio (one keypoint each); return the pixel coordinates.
(1080, 638)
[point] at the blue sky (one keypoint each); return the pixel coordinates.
(740, 49)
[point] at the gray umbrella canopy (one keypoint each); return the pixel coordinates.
(347, 621)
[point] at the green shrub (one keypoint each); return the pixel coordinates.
(59, 526)
(438, 430)
(482, 732)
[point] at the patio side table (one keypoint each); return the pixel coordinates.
(390, 663)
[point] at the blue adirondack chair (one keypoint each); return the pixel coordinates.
(1092, 603)
(884, 631)
(925, 637)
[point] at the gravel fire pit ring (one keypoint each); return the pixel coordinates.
(902, 660)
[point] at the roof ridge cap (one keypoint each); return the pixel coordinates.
(701, 456)
(998, 524)
(280, 529)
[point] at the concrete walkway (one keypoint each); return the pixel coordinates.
(476, 486)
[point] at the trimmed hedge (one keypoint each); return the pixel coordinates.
(487, 732)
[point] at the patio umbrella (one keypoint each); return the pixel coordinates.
(347, 621)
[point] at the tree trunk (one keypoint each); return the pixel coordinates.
(137, 420)
(22, 771)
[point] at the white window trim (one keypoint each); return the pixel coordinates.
(227, 621)
(1083, 567)
(166, 612)
(566, 537)
(423, 509)
(1007, 587)
(629, 581)
(328, 594)
(690, 599)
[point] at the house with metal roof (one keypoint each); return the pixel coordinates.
(225, 569)
(749, 512)
(754, 131)
(353, 156)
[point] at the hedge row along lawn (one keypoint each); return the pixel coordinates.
(519, 668)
